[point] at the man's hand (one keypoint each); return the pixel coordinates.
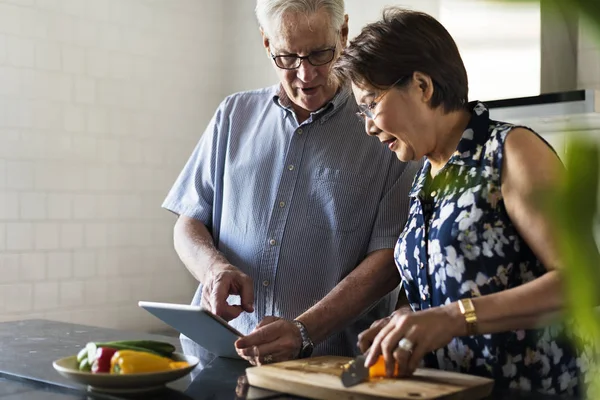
(222, 280)
(273, 340)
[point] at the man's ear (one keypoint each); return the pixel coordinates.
(266, 43)
(344, 32)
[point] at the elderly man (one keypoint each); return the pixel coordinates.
(284, 203)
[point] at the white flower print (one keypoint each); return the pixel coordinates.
(583, 363)
(455, 265)
(494, 240)
(486, 249)
(557, 352)
(545, 364)
(491, 149)
(526, 274)
(440, 280)
(477, 154)
(481, 279)
(445, 212)
(510, 368)
(546, 383)
(525, 384)
(436, 258)
(424, 288)
(469, 287)
(401, 254)
(467, 218)
(444, 362)
(479, 109)
(502, 273)
(469, 245)
(459, 353)
(417, 253)
(564, 380)
(468, 134)
(487, 172)
(466, 199)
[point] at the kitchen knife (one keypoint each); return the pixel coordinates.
(355, 371)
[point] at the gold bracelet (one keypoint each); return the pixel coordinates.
(468, 311)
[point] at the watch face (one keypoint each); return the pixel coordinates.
(306, 351)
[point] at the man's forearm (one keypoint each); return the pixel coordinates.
(195, 247)
(372, 279)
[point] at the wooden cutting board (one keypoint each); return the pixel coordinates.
(319, 378)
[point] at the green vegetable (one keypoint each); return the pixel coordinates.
(84, 365)
(159, 347)
(83, 353)
(91, 350)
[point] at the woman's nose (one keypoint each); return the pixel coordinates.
(371, 128)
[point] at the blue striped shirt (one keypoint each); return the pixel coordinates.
(295, 206)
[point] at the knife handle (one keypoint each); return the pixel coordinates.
(378, 369)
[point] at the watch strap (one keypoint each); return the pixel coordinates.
(307, 343)
(467, 309)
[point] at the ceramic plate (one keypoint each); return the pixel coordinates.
(68, 367)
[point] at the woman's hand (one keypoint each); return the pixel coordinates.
(426, 330)
(366, 337)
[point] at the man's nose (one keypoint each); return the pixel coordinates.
(371, 128)
(306, 71)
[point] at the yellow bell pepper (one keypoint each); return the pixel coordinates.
(137, 362)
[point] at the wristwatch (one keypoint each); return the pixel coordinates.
(307, 344)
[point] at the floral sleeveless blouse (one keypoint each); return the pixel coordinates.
(459, 242)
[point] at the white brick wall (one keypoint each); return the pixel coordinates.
(101, 103)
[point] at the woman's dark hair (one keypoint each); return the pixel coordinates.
(403, 42)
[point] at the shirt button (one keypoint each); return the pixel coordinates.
(300, 131)
(421, 265)
(282, 204)
(291, 167)
(272, 242)
(266, 283)
(423, 297)
(433, 193)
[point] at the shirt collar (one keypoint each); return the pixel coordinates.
(470, 147)
(282, 100)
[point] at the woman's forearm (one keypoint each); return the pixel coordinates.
(532, 305)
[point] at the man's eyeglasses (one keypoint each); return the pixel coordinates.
(293, 61)
(367, 110)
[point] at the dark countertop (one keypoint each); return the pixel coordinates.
(27, 349)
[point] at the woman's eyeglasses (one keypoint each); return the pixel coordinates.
(367, 110)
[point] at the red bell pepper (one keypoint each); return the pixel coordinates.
(102, 362)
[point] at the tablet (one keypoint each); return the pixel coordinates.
(200, 325)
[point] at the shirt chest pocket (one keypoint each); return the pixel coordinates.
(336, 199)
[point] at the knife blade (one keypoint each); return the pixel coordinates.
(355, 371)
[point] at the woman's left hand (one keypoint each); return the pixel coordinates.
(426, 330)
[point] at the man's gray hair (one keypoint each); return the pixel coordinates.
(269, 12)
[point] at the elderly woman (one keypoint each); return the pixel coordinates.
(477, 257)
